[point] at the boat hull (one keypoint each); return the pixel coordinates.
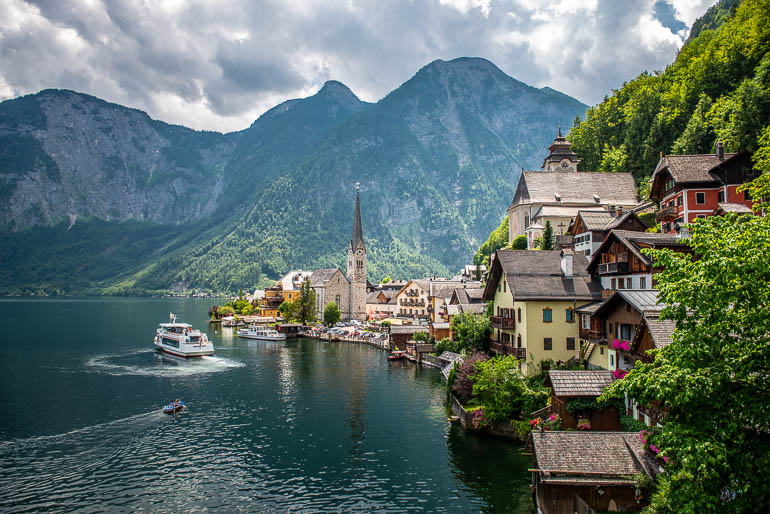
(262, 338)
(177, 353)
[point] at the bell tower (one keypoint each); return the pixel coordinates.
(357, 266)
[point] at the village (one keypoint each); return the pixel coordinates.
(575, 310)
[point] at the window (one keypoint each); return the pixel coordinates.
(625, 332)
(629, 284)
(612, 284)
(669, 184)
(570, 343)
(570, 316)
(678, 201)
(518, 340)
(746, 195)
(547, 316)
(547, 344)
(700, 198)
(526, 220)
(642, 282)
(519, 314)
(601, 350)
(700, 216)
(586, 321)
(620, 283)
(503, 285)
(337, 300)
(721, 197)
(612, 361)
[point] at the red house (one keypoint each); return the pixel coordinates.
(691, 186)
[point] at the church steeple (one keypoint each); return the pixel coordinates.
(358, 236)
(561, 156)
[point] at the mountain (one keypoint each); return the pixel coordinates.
(717, 89)
(133, 205)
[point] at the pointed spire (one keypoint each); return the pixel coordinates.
(560, 130)
(358, 236)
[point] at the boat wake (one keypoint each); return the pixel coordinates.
(138, 364)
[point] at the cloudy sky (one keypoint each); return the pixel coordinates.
(219, 64)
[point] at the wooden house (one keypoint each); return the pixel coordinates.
(579, 471)
(621, 264)
(591, 227)
(582, 385)
(401, 334)
(691, 186)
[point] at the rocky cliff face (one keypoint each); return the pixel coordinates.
(104, 160)
(438, 160)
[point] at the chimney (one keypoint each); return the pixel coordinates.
(720, 150)
(566, 263)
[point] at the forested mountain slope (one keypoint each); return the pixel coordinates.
(717, 89)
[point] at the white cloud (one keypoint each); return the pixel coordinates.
(219, 64)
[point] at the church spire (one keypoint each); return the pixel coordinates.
(358, 236)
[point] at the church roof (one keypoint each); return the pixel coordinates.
(320, 277)
(358, 235)
(586, 188)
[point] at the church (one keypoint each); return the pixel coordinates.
(347, 291)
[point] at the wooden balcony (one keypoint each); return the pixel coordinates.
(502, 323)
(613, 267)
(669, 213)
(592, 335)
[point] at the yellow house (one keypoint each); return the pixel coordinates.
(535, 294)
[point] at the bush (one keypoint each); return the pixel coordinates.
(535, 399)
(499, 385)
(421, 337)
(445, 345)
(463, 384)
(631, 424)
(519, 243)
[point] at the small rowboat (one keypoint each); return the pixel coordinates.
(173, 407)
(396, 355)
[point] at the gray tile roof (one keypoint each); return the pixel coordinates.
(320, 277)
(691, 168)
(579, 382)
(589, 308)
(595, 220)
(443, 288)
(613, 454)
(540, 187)
(643, 300)
(407, 329)
(536, 275)
(731, 207)
(660, 330)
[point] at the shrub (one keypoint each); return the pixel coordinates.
(463, 385)
(500, 386)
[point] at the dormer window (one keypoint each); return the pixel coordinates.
(557, 196)
(596, 198)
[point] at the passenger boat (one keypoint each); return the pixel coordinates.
(181, 340)
(173, 407)
(396, 355)
(261, 333)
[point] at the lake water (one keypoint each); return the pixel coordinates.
(301, 425)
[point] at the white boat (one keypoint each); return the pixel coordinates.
(182, 340)
(261, 333)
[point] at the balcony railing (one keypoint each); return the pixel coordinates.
(592, 335)
(613, 267)
(502, 323)
(669, 213)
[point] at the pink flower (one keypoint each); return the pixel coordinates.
(624, 346)
(665, 459)
(552, 417)
(653, 448)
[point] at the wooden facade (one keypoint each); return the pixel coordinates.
(558, 498)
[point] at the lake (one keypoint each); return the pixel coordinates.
(297, 425)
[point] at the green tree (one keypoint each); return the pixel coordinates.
(496, 240)
(331, 313)
(547, 237)
(247, 310)
(386, 280)
(304, 310)
(759, 188)
(421, 337)
(471, 331)
(500, 387)
(519, 242)
(614, 159)
(286, 309)
(714, 376)
(225, 310)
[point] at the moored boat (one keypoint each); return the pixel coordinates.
(261, 333)
(182, 340)
(396, 355)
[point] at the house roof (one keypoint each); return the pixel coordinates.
(660, 330)
(611, 454)
(534, 275)
(724, 208)
(579, 382)
(468, 295)
(575, 188)
(443, 288)
(407, 329)
(595, 220)
(691, 168)
(556, 211)
(320, 277)
(441, 326)
(589, 308)
(643, 300)
(635, 241)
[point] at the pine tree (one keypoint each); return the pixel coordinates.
(548, 236)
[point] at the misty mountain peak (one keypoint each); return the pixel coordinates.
(335, 90)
